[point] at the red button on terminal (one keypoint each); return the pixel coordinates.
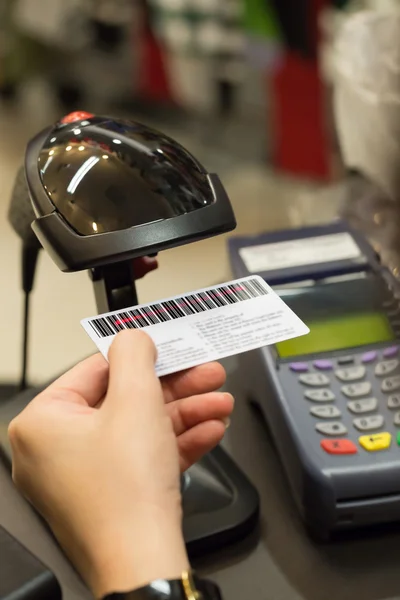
(78, 115)
(342, 446)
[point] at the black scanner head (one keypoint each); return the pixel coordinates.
(106, 190)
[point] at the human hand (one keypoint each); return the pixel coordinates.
(99, 454)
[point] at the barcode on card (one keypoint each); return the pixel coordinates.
(178, 308)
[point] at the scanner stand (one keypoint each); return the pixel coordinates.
(220, 505)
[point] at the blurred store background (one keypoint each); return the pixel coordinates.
(243, 84)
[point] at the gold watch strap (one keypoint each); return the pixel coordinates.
(189, 587)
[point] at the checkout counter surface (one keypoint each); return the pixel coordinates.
(279, 562)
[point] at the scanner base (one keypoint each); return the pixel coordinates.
(220, 505)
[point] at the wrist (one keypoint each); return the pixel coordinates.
(133, 556)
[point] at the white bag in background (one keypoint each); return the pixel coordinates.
(58, 23)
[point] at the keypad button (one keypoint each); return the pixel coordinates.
(396, 419)
(369, 423)
(339, 446)
(394, 401)
(390, 352)
(325, 412)
(299, 367)
(391, 384)
(351, 373)
(323, 365)
(345, 360)
(332, 429)
(369, 357)
(376, 442)
(314, 379)
(357, 390)
(365, 405)
(386, 367)
(323, 395)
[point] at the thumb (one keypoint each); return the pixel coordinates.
(132, 377)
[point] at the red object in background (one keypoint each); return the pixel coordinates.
(78, 115)
(301, 145)
(153, 79)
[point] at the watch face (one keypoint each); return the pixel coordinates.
(106, 175)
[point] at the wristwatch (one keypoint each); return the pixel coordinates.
(188, 587)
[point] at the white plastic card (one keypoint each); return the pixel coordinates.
(205, 325)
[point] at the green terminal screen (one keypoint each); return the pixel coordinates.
(340, 314)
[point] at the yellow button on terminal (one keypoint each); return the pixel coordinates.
(376, 441)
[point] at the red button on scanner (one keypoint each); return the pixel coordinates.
(339, 446)
(78, 115)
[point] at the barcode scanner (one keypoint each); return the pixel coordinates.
(104, 191)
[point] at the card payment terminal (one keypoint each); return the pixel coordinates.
(331, 398)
